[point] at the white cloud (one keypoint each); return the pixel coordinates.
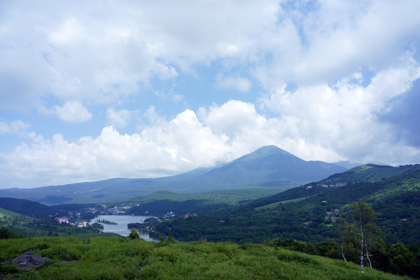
(343, 117)
(85, 53)
(336, 39)
(101, 55)
(236, 83)
(328, 123)
(72, 112)
(165, 148)
(13, 127)
(118, 119)
(95, 52)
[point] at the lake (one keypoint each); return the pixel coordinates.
(123, 221)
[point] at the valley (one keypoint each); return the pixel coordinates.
(253, 206)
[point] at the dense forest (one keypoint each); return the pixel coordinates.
(308, 219)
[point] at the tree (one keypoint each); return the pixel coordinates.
(401, 259)
(362, 234)
(134, 234)
(346, 235)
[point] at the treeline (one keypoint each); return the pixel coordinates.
(32, 227)
(161, 207)
(397, 258)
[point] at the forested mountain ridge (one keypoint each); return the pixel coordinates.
(396, 198)
(269, 166)
(26, 207)
(369, 173)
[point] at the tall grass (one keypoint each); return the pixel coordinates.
(122, 258)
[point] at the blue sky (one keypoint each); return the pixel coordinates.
(92, 90)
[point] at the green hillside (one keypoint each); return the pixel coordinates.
(7, 213)
(369, 173)
(26, 207)
(306, 218)
(122, 258)
(231, 196)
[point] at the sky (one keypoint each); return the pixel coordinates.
(91, 90)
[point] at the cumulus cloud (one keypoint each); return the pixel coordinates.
(236, 83)
(13, 127)
(343, 117)
(82, 53)
(118, 119)
(72, 112)
(165, 148)
(85, 53)
(335, 122)
(91, 52)
(333, 39)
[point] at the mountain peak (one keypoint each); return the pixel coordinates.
(263, 152)
(270, 149)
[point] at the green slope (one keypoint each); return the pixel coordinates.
(306, 219)
(26, 207)
(116, 258)
(7, 213)
(369, 173)
(160, 203)
(223, 196)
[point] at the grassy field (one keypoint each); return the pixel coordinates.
(122, 258)
(275, 204)
(7, 213)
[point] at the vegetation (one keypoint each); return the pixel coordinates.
(25, 207)
(125, 258)
(31, 227)
(396, 198)
(362, 234)
(161, 207)
(7, 213)
(369, 173)
(7, 234)
(106, 222)
(231, 196)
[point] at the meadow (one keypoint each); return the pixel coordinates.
(124, 258)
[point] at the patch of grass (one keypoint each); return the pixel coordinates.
(122, 258)
(276, 204)
(7, 213)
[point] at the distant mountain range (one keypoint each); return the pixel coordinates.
(269, 166)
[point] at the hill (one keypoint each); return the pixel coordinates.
(25, 207)
(369, 173)
(231, 196)
(122, 258)
(7, 213)
(267, 167)
(306, 216)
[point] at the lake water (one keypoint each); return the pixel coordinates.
(123, 221)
